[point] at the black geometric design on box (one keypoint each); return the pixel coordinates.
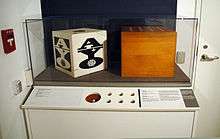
(66, 41)
(91, 63)
(63, 62)
(89, 48)
(62, 53)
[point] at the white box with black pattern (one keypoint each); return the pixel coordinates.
(79, 52)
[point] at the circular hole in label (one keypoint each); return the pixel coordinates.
(132, 94)
(121, 101)
(93, 98)
(133, 101)
(109, 94)
(121, 94)
(109, 101)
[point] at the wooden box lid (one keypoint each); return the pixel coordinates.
(145, 29)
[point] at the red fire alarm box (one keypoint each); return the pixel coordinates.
(8, 40)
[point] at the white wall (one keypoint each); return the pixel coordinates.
(186, 8)
(207, 78)
(12, 14)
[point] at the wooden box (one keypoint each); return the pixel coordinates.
(79, 52)
(147, 51)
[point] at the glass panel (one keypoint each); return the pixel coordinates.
(39, 32)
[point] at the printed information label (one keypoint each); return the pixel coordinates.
(161, 99)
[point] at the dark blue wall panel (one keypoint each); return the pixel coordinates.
(108, 7)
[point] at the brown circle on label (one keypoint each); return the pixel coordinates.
(93, 98)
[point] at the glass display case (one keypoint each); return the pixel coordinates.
(43, 55)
